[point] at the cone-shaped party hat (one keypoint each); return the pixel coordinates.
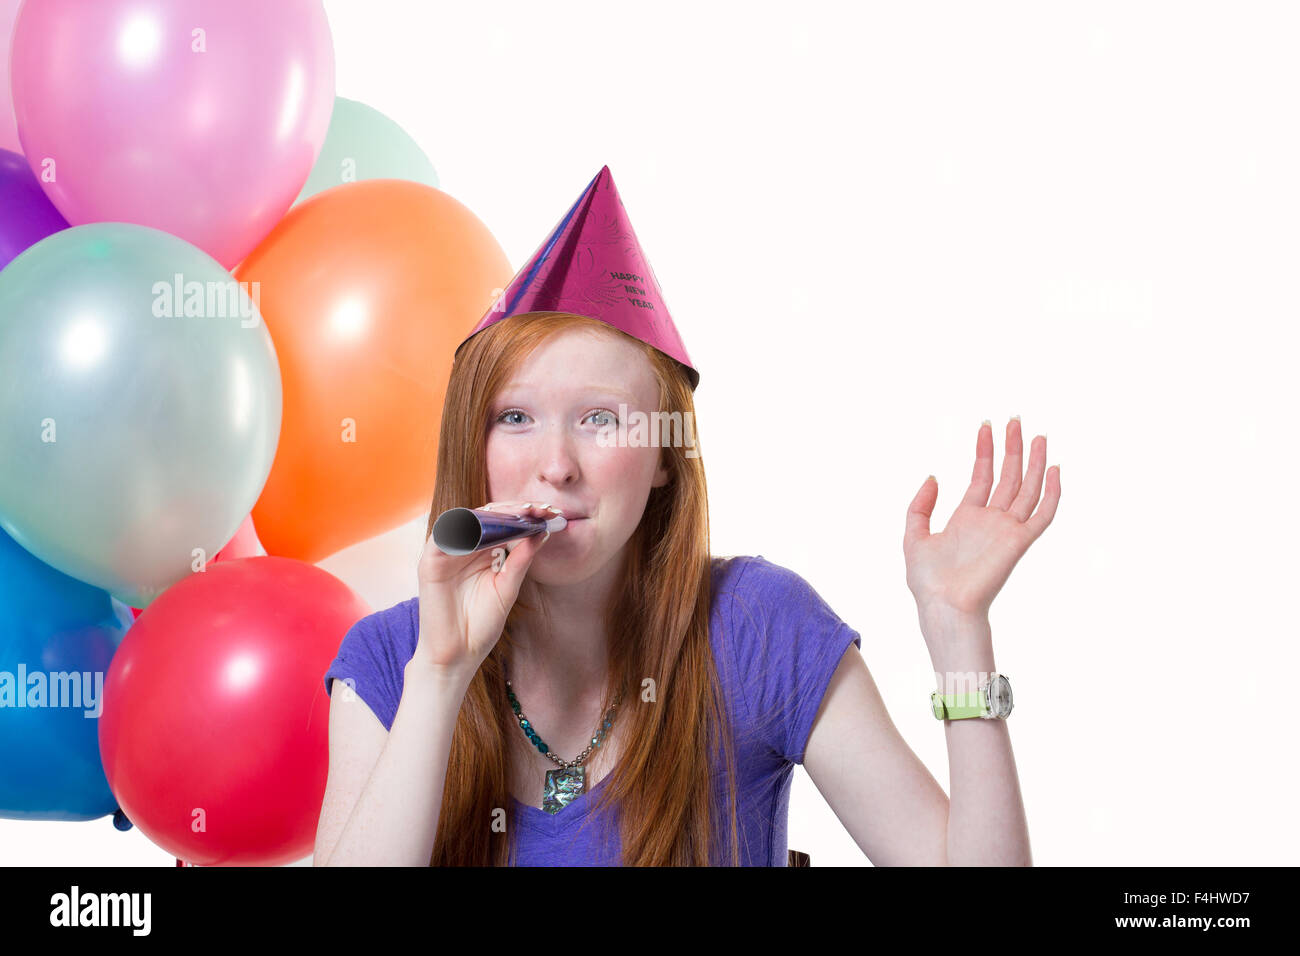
(592, 264)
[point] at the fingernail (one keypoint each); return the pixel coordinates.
(987, 422)
(1015, 418)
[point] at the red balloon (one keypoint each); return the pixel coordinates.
(215, 725)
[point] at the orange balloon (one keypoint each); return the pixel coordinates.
(366, 288)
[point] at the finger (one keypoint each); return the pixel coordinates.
(1012, 463)
(1041, 518)
(981, 480)
(521, 507)
(514, 569)
(437, 565)
(1033, 485)
(537, 509)
(919, 512)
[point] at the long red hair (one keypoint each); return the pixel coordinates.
(658, 624)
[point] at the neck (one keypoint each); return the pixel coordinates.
(565, 657)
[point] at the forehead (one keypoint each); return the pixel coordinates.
(579, 359)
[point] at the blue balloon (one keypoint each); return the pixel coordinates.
(57, 639)
(363, 143)
(140, 405)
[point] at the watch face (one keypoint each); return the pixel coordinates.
(1000, 696)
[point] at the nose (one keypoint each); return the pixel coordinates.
(557, 466)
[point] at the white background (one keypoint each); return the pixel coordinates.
(878, 224)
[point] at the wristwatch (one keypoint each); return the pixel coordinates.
(991, 701)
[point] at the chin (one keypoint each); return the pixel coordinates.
(559, 571)
(571, 565)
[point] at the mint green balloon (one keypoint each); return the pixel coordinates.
(363, 143)
(140, 406)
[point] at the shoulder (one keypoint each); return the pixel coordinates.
(731, 573)
(763, 610)
(373, 655)
(753, 586)
(393, 628)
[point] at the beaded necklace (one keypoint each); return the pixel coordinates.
(564, 785)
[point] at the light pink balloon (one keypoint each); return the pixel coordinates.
(8, 127)
(198, 117)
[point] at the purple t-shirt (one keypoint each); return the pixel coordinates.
(776, 644)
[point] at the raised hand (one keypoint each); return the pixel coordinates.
(962, 569)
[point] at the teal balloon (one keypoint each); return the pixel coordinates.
(140, 406)
(57, 639)
(363, 143)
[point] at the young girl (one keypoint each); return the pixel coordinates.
(612, 694)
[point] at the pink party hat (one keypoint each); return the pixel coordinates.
(592, 264)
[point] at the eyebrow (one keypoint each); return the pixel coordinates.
(509, 390)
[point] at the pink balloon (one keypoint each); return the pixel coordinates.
(8, 126)
(198, 117)
(243, 545)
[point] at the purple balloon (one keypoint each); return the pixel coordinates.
(26, 215)
(202, 118)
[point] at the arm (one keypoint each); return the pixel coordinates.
(880, 790)
(383, 794)
(384, 789)
(986, 821)
(873, 781)
(889, 802)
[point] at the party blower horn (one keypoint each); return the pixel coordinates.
(460, 531)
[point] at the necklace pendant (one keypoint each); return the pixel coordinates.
(562, 788)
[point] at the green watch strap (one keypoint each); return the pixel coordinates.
(957, 706)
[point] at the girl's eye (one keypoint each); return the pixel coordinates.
(510, 411)
(611, 418)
